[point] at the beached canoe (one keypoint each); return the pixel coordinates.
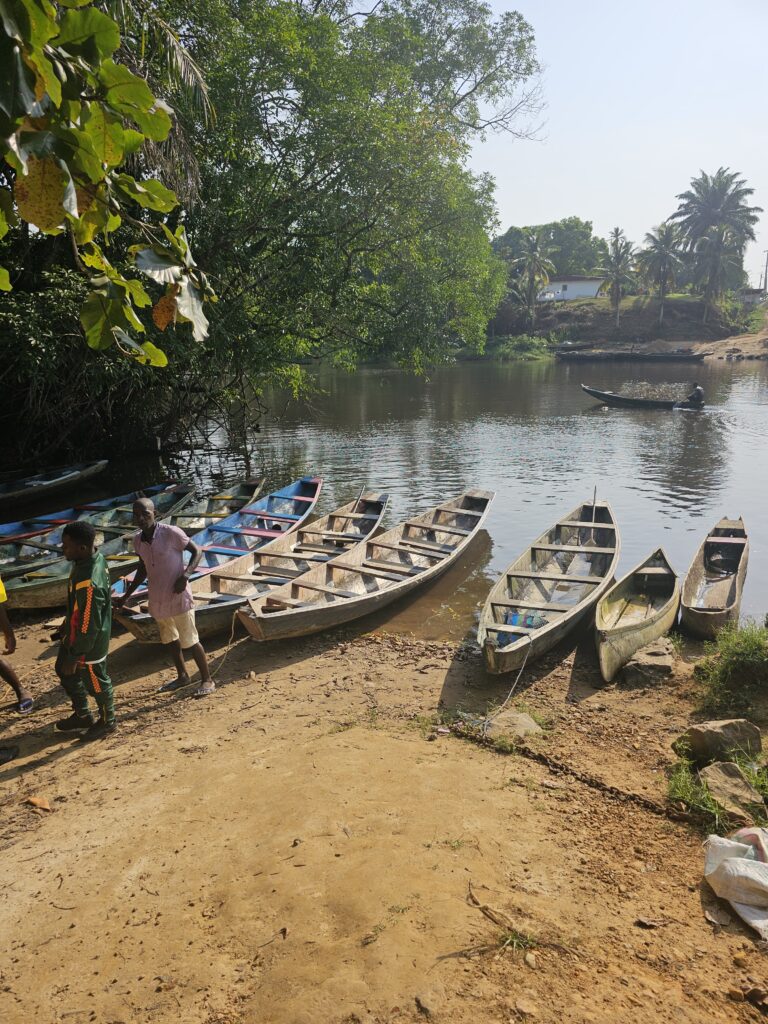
(627, 402)
(627, 356)
(203, 512)
(19, 556)
(550, 588)
(371, 574)
(219, 594)
(712, 589)
(48, 521)
(30, 487)
(637, 610)
(246, 530)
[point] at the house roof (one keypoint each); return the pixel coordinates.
(573, 277)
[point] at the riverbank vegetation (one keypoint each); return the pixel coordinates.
(734, 674)
(319, 157)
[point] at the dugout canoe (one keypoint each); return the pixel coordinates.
(713, 586)
(637, 610)
(50, 520)
(30, 487)
(371, 574)
(34, 551)
(627, 402)
(219, 594)
(550, 588)
(204, 512)
(626, 356)
(248, 529)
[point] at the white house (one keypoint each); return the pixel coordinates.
(574, 287)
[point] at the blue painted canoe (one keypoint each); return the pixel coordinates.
(275, 514)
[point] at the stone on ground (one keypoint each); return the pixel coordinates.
(650, 665)
(730, 789)
(512, 725)
(717, 741)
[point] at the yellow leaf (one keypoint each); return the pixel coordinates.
(38, 801)
(164, 311)
(39, 194)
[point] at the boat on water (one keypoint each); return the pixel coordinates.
(627, 402)
(28, 487)
(371, 574)
(637, 610)
(32, 551)
(246, 530)
(627, 356)
(220, 593)
(712, 588)
(550, 588)
(204, 512)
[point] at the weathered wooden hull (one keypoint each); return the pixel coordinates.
(31, 488)
(627, 402)
(711, 601)
(617, 643)
(619, 356)
(52, 593)
(595, 544)
(388, 567)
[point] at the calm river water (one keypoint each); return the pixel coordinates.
(526, 431)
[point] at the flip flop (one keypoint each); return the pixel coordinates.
(205, 689)
(175, 684)
(25, 706)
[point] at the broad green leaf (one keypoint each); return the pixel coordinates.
(97, 317)
(76, 147)
(89, 34)
(190, 306)
(132, 141)
(47, 81)
(5, 280)
(154, 355)
(145, 353)
(155, 123)
(137, 292)
(123, 90)
(39, 194)
(8, 216)
(17, 82)
(37, 22)
(73, 3)
(104, 133)
(160, 266)
(150, 193)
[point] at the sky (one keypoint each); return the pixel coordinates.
(639, 97)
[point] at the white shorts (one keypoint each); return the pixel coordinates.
(179, 627)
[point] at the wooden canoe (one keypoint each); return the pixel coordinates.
(219, 594)
(372, 574)
(49, 520)
(253, 526)
(712, 589)
(550, 588)
(32, 552)
(627, 402)
(637, 610)
(31, 487)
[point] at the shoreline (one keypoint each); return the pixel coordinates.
(306, 846)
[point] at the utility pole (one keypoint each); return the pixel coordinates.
(765, 276)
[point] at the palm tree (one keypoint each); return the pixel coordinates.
(717, 200)
(617, 268)
(661, 259)
(534, 267)
(718, 264)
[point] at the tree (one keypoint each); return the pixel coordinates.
(660, 261)
(718, 264)
(574, 249)
(70, 116)
(617, 268)
(533, 267)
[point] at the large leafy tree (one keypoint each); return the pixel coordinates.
(718, 264)
(660, 261)
(533, 268)
(618, 268)
(573, 248)
(70, 117)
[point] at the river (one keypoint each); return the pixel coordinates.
(526, 431)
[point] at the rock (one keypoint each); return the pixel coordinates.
(736, 995)
(526, 1007)
(714, 741)
(530, 959)
(650, 665)
(512, 725)
(429, 999)
(730, 789)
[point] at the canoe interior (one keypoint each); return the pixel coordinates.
(714, 579)
(527, 599)
(277, 562)
(640, 596)
(383, 566)
(22, 488)
(627, 401)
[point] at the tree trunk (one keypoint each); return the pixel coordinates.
(662, 296)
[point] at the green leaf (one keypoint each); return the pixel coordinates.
(5, 280)
(97, 316)
(123, 90)
(150, 193)
(17, 82)
(158, 265)
(89, 34)
(155, 123)
(145, 353)
(37, 22)
(104, 133)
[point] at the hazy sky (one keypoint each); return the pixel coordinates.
(639, 97)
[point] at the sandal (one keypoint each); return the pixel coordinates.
(174, 684)
(24, 706)
(205, 689)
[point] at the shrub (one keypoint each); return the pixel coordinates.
(735, 670)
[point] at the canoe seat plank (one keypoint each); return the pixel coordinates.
(292, 555)
(426, 545)
(353, 515)
(727, 540)
(318, 548)
(275, 570)
(574, 548)
(507, 628)
(378, 573)
(459, 511)
(333, 534)
(437, 527)
(655, 570)
(247, 531)
(325, 589)
(548, 606)
(395, 567)
(407, 551)
(589, 523)
(288, 602)
(561, 576)
(237, 577)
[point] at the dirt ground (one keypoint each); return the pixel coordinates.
(306, 847)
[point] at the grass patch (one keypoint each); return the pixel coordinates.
(678, 642)
(735, 669)
(543, 721)
(522, 346)
(686, 788)
(516, 940)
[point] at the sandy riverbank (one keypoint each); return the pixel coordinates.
(298, 849)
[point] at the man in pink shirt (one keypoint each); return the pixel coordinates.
(161, 549)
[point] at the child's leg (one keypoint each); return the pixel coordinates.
(8, 675)
(100, 686)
